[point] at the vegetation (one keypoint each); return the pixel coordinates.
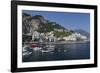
(61, 34)
(45, 26)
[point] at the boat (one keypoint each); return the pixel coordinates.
(36, 48)
(47, 48)
(26, 52)
(34, 45)
(46, 51)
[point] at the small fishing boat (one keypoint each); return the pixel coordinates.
(34, 45)
(47, 48)
(45, 51)
(26, 52)
(37, 48)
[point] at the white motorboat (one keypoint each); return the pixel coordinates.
(45, 51)
(26, 51)
(36, 48)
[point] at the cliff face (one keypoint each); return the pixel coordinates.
(29, 23)
(26, 23)
(38, 23)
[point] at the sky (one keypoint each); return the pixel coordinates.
(69, 20)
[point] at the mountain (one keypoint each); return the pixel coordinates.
(39, 23)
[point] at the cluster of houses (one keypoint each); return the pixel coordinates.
(75, 37)
(50, 37)
(41, 37)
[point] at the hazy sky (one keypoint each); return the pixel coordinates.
(69, 20)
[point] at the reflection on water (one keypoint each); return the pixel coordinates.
(51, 52)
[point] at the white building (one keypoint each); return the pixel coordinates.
(35, 35)
(51, 37)
(71, 38)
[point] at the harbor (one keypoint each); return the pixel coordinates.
(51, 52)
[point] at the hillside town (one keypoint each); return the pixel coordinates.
(34, 30)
